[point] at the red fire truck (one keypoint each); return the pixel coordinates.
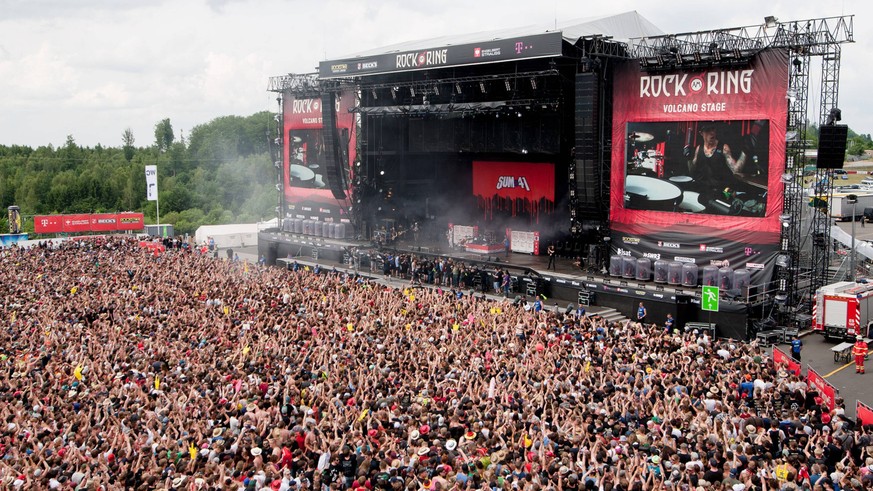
(843, 310)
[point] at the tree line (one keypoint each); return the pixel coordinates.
(221, 173)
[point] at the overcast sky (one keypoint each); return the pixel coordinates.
(91, 68)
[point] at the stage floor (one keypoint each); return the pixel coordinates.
(563, 265)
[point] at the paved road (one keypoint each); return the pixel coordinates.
(851, 386)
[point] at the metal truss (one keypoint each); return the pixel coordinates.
(810, 36)
(798, 274)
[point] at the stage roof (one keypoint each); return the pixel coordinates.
(621, 27)
(487, 47)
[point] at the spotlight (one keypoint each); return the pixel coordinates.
(482, 87)
(277, 117)
(524, 151)
(277, 164)
(278, 187)
(381, 172)
(277, 141)
(394, 93)
(508, 87)
(436, 89)
(375, 96)
(457, 87)
(790, 136)
(834, 115)
(787, 178)
(783, 260)
(770, 21)
(412, 91)
(533, 83)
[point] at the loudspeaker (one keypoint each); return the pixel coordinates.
(685, 312)
(335, 173)
(271, 254)
(832, 146)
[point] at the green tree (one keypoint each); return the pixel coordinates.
(127, 141)
(164, 135)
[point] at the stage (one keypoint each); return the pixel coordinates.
(567, 283)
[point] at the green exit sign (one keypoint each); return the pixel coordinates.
(709, 299)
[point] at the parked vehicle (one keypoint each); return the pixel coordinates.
(843, 310)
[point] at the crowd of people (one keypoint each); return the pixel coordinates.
(131, 368)
(442, 271)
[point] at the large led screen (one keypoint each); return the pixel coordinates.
(698, 167)
(697, 157)
(306, 180)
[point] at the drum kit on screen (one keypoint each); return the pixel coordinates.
(650, 185)
(301, 173)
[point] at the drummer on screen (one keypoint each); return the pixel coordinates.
(712, 163)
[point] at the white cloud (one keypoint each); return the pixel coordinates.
(91, 68)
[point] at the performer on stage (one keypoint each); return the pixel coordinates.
(551, 252)
(712, 164)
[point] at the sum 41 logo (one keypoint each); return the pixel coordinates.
(512, 182)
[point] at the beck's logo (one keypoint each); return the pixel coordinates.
(512, 182)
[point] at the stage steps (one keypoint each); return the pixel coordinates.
(608, 314)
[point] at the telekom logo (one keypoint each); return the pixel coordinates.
(519, 46)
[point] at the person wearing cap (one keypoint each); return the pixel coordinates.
(859, 351)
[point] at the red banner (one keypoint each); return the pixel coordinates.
(76, 223)
(130, 221)
(522, 187)
(780, 358)
(98, 222)
(863, 413)
(669, 174)
(48, 224)
(104, 222)
(825, 390)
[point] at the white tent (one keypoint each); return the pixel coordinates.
(230, 235)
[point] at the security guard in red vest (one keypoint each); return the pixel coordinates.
(859, 351)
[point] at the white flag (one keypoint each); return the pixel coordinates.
(151, 182)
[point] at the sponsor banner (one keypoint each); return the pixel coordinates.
(864, 413)
(517, 187)
(104, 222)
(692, 248)
(305, 157)
(130, 221)
(151, 175)
(76, 223)
(98, 222)
(497, 50)
(825, 390)
(700, 154)
(781, 358)
(48, 224)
